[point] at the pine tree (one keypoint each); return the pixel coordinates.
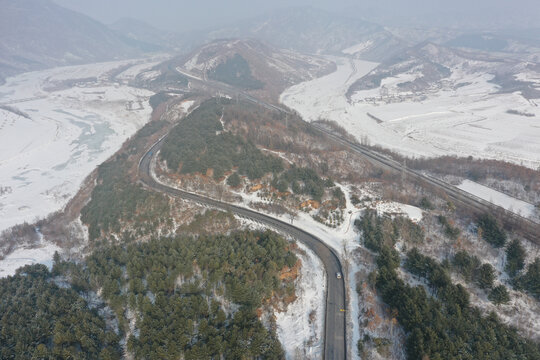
(485, 276)
(499, 295)
(515, 258)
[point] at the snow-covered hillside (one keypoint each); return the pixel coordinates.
(422, 108)
(275, 69)
(39, 34)
(56, 126)
(292, 64)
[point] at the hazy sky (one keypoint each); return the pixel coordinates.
(182, 15)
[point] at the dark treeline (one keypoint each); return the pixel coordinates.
(39, 320)
(177, 287)
(235, 71)
(115, 199)
(478, 170)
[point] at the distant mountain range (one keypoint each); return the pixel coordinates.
(302, 29)
(37, 34)
(315, 31)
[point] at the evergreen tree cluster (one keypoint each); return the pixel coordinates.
(177, 287)
(530, 280)
(452, 232)
(445, 326)
(515, 258)
(491, 231)
(302, 181)
(39, 320)
(198, 143)
(378, 231)
(473, 270)
(114, 199)
(236, 71)
(499, 295)
(439, 322)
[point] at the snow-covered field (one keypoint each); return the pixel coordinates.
(412, 212)
(464, 118)
(41, 253)
(358, 48)
(522, 208)
(72, 119)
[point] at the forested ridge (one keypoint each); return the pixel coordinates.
(439, 321)
(39, 320)
(177, 288)
(236, 71)
(198, 143)
(191, 297)
(115, 200)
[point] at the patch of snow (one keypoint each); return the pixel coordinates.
(529, 76)
(394, 208)
(186, 105)
(183, 72)
(512, 204)
(358, 48)
(143, 68)
(42, 254)
(150, 75)
(191, 64)
(301, 327)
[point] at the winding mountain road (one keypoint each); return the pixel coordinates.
(335, 338)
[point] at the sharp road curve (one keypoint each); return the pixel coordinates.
(335, 320)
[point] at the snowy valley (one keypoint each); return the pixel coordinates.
(410, 108)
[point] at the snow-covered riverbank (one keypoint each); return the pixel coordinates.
(56, 126)
(467, 117)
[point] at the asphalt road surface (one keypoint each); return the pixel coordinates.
(335, 346)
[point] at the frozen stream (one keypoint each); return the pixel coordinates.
(70, 120)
